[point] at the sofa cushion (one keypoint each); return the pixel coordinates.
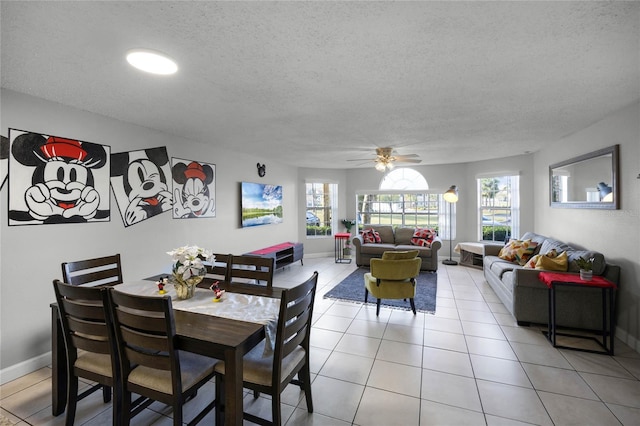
(499, 268)
(518, 251)
(376, 249)
(537, 238)
(371, 236)
(422, 251)
(551, 244)
(399, 255)
(403, 235)
(599, 263)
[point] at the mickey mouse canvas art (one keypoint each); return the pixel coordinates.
(55, 180)
(139, 180)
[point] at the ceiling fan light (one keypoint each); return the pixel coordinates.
(380, 166)
(390, 165)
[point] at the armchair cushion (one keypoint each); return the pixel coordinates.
(399, 255)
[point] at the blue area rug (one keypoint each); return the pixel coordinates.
(352, 289)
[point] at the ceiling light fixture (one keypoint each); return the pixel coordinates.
(151, 61)
(385, 160)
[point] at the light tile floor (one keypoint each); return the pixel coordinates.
(469, 363)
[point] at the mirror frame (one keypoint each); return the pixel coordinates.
(614, 205)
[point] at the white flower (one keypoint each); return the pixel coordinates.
(188, 261)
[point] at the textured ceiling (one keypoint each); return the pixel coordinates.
(314, 84)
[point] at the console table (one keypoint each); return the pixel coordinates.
(284, 254)
(471, 254)
(555, 279)
(341, 243)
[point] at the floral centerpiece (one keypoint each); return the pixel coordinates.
(188, 268)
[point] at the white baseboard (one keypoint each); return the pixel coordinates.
(25, 367)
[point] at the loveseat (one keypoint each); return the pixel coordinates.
(526, 297)
(395, 239)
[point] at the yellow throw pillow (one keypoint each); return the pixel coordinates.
(531, 263)
(559, 263)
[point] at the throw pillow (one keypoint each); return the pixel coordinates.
(423, 237)
(518, 251)
(531, 264)
(399, 255)
(371, 236)
(560, 263)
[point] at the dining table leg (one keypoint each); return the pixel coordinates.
(233, 387)
(59, 378)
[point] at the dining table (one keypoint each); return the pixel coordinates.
(225, 329)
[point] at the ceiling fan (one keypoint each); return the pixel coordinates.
(385, 159)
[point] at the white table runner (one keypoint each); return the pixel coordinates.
(243, 307)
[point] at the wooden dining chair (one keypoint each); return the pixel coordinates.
(91, 272)
(290, 357)
(219, 269)
(252, 270)
(150, 365)
(89, 341)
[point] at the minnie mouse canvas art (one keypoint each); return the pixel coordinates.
(57, 180)
(194, 189)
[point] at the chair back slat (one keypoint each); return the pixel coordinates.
(219, 269)
(296, 310)
(252, 270)
(157, 361)
(92, 272)
(145, 331)
(146, 334)
(146, 341)
(92, 345)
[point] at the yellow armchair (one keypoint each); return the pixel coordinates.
(393, 277)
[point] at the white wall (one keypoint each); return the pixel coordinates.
(31, 255)
(615, 233)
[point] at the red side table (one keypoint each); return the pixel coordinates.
(555, 279)
(340, 240)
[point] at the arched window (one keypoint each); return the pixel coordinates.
(404, 178)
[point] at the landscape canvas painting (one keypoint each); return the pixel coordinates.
(261, 204)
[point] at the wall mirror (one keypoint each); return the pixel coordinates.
(589, 181)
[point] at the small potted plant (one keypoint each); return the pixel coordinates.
(586, 268)
(348, 224)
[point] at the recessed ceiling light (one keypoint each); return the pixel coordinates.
(151, 61)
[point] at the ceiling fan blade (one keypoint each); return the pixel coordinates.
(363, 159)
(406, 156)
(408, 161)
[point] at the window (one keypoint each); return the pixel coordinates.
(403, 200)
(404, 179)
(499, 207)
(410, 208)
(321, 207)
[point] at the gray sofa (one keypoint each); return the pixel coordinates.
(395, 239)
(526, 297)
